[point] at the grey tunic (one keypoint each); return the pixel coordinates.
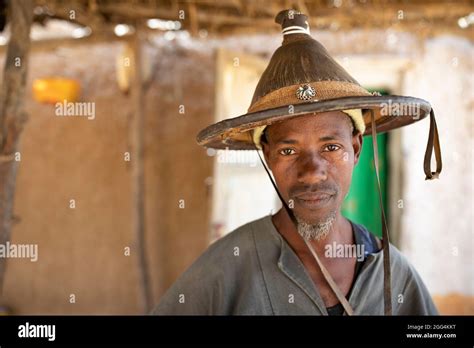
(253, 270)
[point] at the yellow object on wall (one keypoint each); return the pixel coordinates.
(54, 90)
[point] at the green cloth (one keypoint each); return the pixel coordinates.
(362, 203)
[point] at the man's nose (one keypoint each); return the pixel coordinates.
(312, 168)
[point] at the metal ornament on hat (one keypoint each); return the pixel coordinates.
(305, 92)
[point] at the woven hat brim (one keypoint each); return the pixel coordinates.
(235, 133)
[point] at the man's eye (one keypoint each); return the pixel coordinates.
(287, 152)
(332, 147)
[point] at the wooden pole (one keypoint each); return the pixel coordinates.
(12, 115)
(138, 197)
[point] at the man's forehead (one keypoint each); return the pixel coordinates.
(330, 124)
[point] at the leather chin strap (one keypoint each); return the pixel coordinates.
(335, 289)
(387, 274)
(433, 143)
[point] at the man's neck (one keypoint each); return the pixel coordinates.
(340, 233)
(342, 270)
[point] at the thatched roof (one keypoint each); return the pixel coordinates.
(222, 17)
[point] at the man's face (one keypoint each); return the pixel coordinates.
(312, 158)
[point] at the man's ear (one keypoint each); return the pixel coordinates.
(357, 141)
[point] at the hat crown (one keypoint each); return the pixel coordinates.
(292, 21)
(300, 59)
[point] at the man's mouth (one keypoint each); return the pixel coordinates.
(314, 200)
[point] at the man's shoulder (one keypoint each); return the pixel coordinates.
(242, 237)
(209, 282)
(400, 262)
(240, 240)
(251, 225)
(373, 245)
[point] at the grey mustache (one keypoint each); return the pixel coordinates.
(329, 189)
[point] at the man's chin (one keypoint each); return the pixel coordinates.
(316, 230)
(314, 217)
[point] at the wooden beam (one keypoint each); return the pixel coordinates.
(12, 115)
(225, 17)
(138, 183)
(193, 18)
(77, 12)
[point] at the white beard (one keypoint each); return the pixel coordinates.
(318, 231)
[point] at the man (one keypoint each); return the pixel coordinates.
(308, 116)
